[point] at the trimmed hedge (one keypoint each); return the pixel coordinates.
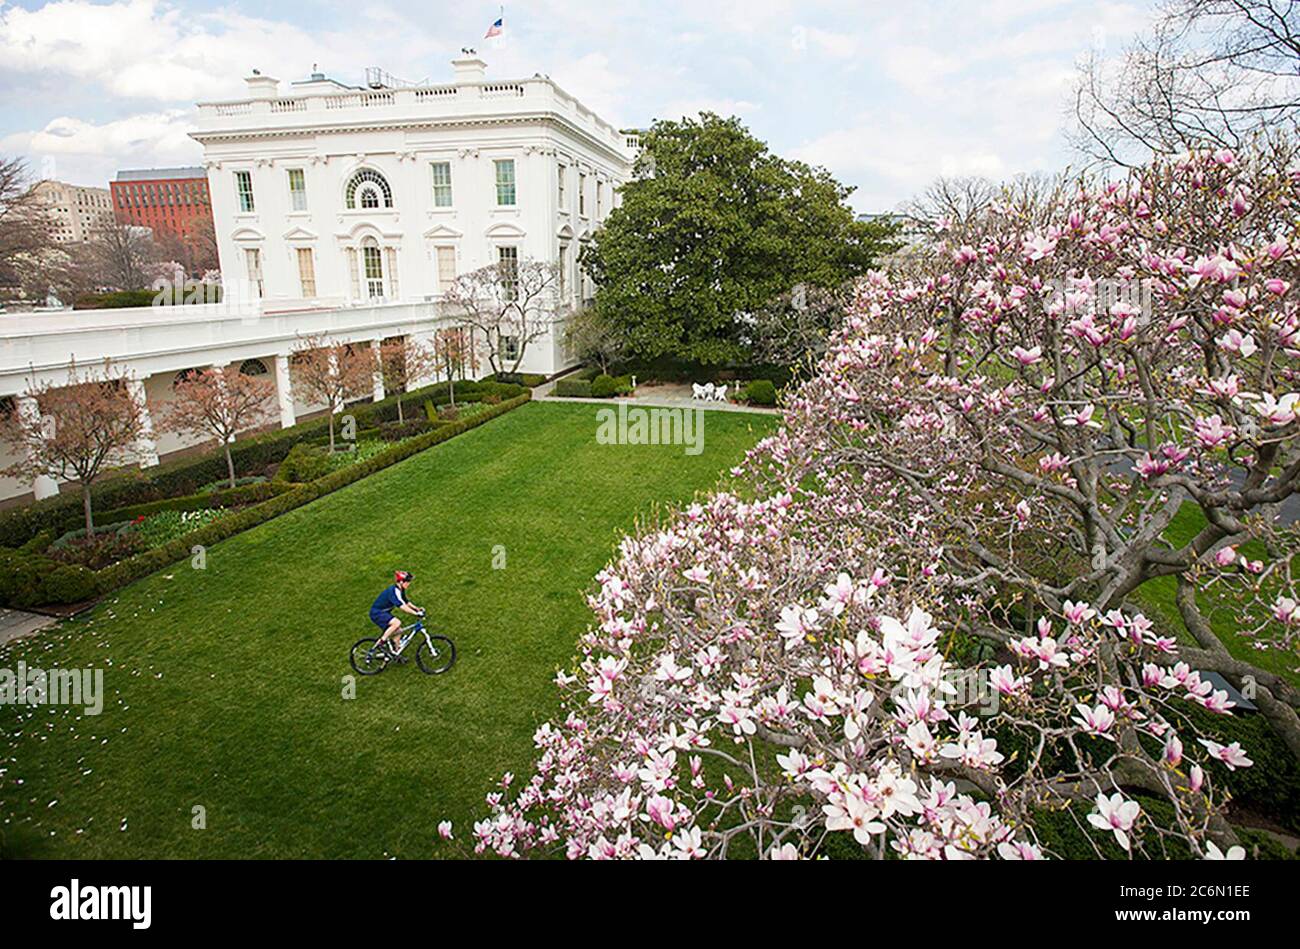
(760, 392)
(529, 379)
(116, 299)
(604, 387)
(27, 580)
(573, 388)
(185, 476)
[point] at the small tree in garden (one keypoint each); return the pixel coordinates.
(510, 304)
(333, 372)
(403, 360)
(83, 427)
(454, 355)
(218, 403)
(922, 624)
(593, 337)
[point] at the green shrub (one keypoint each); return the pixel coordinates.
(604, 387)
(116, 299)
(760, 392)
(573, 388)
(529, 379)
(71, 584)
(303, 463)
(449, 413)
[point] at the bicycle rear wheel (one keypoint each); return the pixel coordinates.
(366, 658)
(437, 660)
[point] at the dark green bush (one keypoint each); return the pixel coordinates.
(573, 388)
(304, 463)
(529, 379)
(28, 580)
(760, 392)
(604, 387)
(116, 299)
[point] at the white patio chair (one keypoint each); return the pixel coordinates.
(720, 394)
(697, 391)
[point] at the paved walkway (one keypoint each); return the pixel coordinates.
(665, 395)
(15, 624)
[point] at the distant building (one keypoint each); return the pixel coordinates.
(74, 212)
(170, 201)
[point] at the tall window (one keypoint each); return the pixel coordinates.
(306, 271)
(253, 265)
(600, 197)
(373, 265)
(297, 189)
(509, 347)
(244, 188)
(368, 189)
(582, 195)
(559, 186)
(505, 170)
(508, 257)
(446, 267)
(563, 268)
(441, 184)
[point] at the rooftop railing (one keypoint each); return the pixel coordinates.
(450, 100)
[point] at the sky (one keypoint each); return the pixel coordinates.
(887, 95)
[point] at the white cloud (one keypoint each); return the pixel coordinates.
(80, 152)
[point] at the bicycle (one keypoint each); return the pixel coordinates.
(434, 655)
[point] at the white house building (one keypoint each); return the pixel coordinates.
(346, 211)
(331, 195)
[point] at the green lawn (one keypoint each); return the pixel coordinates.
(225, 685)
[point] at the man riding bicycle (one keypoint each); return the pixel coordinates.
(381, 611)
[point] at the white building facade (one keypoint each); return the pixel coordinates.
(345, 212)
(326, 195)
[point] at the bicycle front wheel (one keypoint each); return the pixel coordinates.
(438, 659)
(366, 657)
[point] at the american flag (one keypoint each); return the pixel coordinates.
(495, 29)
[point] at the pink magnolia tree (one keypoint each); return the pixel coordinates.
(918, 622)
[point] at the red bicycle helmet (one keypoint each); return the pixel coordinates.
(403, 576)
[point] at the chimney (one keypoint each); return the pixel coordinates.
(262, 87)
(469, 69)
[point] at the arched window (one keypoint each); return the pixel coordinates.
(184, 375)
(252, 367)
(372, 260)
(368, 189)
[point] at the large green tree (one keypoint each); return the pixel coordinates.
(713, 227)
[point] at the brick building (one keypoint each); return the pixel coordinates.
(175, 203)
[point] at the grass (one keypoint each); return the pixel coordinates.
(225, 686)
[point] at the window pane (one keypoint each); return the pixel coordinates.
(505, 170)
(244, 187)
(298, 189)
(441, 184)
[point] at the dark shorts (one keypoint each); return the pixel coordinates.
(381, 618)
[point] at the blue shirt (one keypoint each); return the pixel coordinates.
(389, 600)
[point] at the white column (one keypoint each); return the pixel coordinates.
(44, 486)
(284, 392)
(375, 346)
(145, 447)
